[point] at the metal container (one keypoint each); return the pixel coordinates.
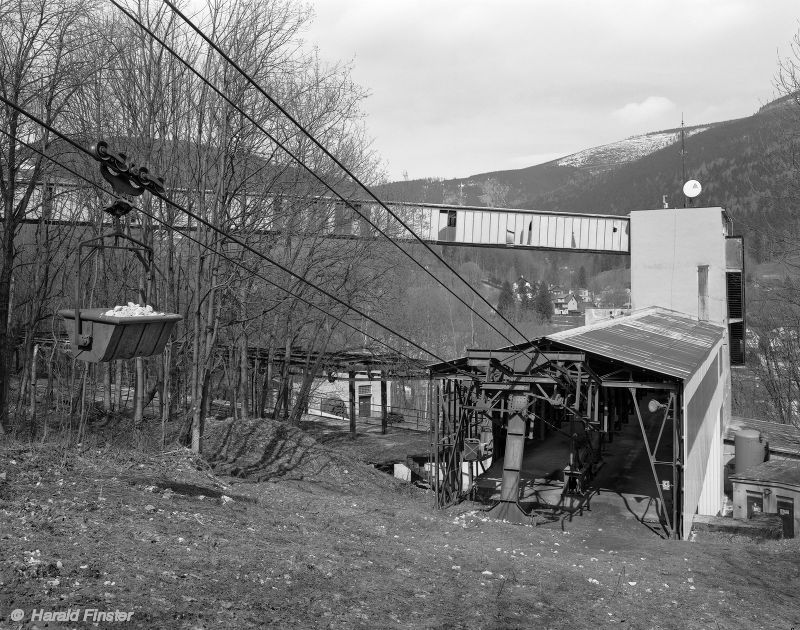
(750, 449)
(111, 338)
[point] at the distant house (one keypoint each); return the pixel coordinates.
(566, 304)
(584, 295)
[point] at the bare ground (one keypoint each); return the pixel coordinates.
(323, 540)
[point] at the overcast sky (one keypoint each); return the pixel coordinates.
(460, 87)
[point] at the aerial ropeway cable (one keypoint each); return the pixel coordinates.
(232, 238)
(319, 178)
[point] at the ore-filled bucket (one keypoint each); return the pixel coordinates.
(109, 338)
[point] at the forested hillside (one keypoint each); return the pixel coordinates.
(744, 166)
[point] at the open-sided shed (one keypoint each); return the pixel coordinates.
(691, 355)
(591, 378)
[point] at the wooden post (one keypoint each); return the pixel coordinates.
(384, 419)
(352, 391)
(287, 395)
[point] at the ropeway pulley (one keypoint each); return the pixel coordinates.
(103, 334)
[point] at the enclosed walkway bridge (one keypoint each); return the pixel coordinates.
(487, 227)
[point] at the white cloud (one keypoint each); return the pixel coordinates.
(461, 87)
(650, 109)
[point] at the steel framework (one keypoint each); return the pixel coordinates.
(516, 391)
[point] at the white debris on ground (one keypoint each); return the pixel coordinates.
(132, 310)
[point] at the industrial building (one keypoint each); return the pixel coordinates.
(771, 487)
(665, 367)
(762, 470)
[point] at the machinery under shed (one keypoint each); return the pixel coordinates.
(664, 369)
(657, 368)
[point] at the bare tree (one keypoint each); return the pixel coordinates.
(41, 69)
(774, 309)
(123, 86)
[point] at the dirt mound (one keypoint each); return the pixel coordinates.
(262, 449)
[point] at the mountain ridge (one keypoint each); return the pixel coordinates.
(744, 165)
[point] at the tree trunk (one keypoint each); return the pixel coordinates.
(230, 369)
(166, 391)
(138, 393)
(32, 418)
(196, 412)
(244, 378)
(118, 385)
(266, 385)
(107, 390)
(6, 346)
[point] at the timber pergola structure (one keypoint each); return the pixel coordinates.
(585, 383)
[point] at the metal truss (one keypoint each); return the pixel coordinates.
(560, 390)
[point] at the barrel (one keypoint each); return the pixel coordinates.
(750, 449)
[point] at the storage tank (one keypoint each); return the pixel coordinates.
(750, 449)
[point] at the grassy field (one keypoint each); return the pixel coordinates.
(326, 541)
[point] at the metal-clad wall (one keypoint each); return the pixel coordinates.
(509, 228)
(703, 418)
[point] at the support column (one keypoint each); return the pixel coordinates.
(508, 507)
(677, 459)
(352, 392)
(433, 457)
(384, 418)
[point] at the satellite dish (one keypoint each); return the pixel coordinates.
(692, 188)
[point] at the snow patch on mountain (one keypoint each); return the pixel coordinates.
(615, 154)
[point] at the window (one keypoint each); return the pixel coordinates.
(755, 503)
(702, 292)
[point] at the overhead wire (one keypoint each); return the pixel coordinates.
(211, 249)
(333, 158)
(524, 351)
(234, 239)
(314, 174)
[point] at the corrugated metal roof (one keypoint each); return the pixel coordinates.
(784, 471)
(666, 342)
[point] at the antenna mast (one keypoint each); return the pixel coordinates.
(683, 156)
